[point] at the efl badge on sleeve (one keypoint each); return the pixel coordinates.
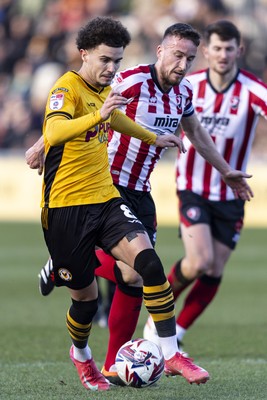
(56, 101)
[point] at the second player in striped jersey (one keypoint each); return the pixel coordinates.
(228, 102)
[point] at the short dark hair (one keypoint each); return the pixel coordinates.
(184, 31)
(225, 29)
(102, 30)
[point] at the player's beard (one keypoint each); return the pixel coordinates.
(171, 79)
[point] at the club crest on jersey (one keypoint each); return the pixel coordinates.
(193, 213)
(56, 101)
(179, 101)
(234, 102)
(65, 274)
(153, 99)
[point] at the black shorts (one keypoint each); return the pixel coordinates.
(71, 234)
(225, 218)
(143, 207)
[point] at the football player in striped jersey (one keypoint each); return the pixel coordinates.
(228, 102)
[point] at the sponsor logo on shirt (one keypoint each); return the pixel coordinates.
(167, 122)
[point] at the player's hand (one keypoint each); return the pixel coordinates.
(237, 181)
(170, 141)
(113, 100)
(35, 157)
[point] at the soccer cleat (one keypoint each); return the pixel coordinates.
(89, 375)
(184, 366)
(112, 376)
(46, 279)
(180, 347)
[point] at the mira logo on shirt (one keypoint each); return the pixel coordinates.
(166, 122)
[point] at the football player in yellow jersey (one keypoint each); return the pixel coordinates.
(81, 208)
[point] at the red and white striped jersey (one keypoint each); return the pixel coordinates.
(230, 117)
(131, 160)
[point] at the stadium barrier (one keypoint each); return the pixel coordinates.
(20, 193)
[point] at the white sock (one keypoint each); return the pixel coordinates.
(82, 355)
(180, 332)
(168, 346)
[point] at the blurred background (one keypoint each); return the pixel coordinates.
(37, 44)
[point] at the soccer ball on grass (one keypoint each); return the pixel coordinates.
(139, 363)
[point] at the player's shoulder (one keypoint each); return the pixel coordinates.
(197, 76)
(137, 72)
(66, 81)
(249, 79)
(68, 76)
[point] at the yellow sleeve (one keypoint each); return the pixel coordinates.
(59, 130)
(123, 124)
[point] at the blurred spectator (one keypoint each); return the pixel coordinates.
(37, 37)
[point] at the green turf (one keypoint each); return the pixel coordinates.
(229, 340)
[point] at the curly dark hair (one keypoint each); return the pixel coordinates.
(184, 31)
(102, 30)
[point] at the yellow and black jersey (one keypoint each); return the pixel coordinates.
(75, 136)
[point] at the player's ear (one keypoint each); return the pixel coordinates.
(159, 51)
(83, 54)
(204, 49)
(241, 51)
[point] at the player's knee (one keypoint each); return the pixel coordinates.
(149, 266)
(199, 265)
(126, 275)
(127, 287)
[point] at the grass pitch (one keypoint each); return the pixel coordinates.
(229, 340)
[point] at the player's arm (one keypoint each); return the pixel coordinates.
(123, 124)
(205, 146)
(60, 126)
(59, 129)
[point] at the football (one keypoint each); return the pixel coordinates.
(139, 363)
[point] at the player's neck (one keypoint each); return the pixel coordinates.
(221, 81)
(83, 73)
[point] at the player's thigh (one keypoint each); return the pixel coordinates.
(71, 246)
(143, 206)
(198, 244)
(195, 228)
(130, 246)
